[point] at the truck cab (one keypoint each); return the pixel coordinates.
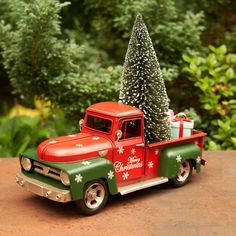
(124, 126)
(108, 156)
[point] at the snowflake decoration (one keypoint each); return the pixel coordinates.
(150, 164)
(133, 151)
(178, 158)
(52, 141)
(86, 163)
(71, 135)
(103, 153)
(110, 174)
(79, 178)
(120, 150)
(198, 159)
(156, 152)
(95, 138)
(79, 145)
(125, 176)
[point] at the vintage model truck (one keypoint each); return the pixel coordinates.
(108, 156)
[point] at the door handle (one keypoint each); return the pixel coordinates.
(140, 145)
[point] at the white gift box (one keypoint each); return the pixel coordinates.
(181, 127)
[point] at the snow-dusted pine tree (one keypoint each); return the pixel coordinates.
(143, 85)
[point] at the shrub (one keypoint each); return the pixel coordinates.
(21, 132)
(214, 78)
(39, 62)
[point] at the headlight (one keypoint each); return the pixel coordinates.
(65, 178)
(26, 163)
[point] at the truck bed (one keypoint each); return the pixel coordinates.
(154, 150)
(196, 137)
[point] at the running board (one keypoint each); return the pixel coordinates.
(141, 185)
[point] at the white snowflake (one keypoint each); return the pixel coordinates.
(156, 151)
(110, 174)
(120, 150)
(125, 176)
(53, 141)
(86, 163)
(133, 151)
(179, 158)
(79, 145)
(95, 138)
(79, 178)
(150, 164)
(103, 153)
(198, 159)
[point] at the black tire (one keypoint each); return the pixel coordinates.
(184, 174)
(94, 198)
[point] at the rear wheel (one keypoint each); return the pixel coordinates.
(94, 199)
(184, 174)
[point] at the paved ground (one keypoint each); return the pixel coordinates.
(206, 206)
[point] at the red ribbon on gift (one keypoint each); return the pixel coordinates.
(181, 124)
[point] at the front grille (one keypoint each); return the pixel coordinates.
(47, 171)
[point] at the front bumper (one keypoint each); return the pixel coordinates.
(43, 189)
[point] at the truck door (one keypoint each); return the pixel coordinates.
(129, 151)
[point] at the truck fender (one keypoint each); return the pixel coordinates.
(92, 169)
(172, 157)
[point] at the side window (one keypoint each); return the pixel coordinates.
(98, 123)
(131, 128)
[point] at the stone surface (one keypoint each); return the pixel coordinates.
(206, 206)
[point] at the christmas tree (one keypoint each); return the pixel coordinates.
(142, 83)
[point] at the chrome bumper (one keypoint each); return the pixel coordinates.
(43, 189)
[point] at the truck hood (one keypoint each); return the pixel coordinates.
(74, 147)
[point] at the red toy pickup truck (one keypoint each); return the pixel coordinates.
(109, 156)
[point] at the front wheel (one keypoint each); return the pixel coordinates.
(94, 199)
(184, 174)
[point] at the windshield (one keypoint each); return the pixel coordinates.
(98, 123)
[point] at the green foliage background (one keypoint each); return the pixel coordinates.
(72, 55)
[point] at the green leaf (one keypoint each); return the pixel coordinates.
(224, 125)
(211, 60)
(213, 146)
(208, 107)
(24, 144)
(212, 48)
(194, 69)
(231, 58)
(233, 140)
(187, 58)
(230, 73)
(221, 50)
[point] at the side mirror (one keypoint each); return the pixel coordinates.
(81, 121)
(118, 134)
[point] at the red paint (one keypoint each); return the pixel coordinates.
(152, 161)
(114, 109)
(128, 159)
(132, 158)
(67, 149)
(196, 136)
